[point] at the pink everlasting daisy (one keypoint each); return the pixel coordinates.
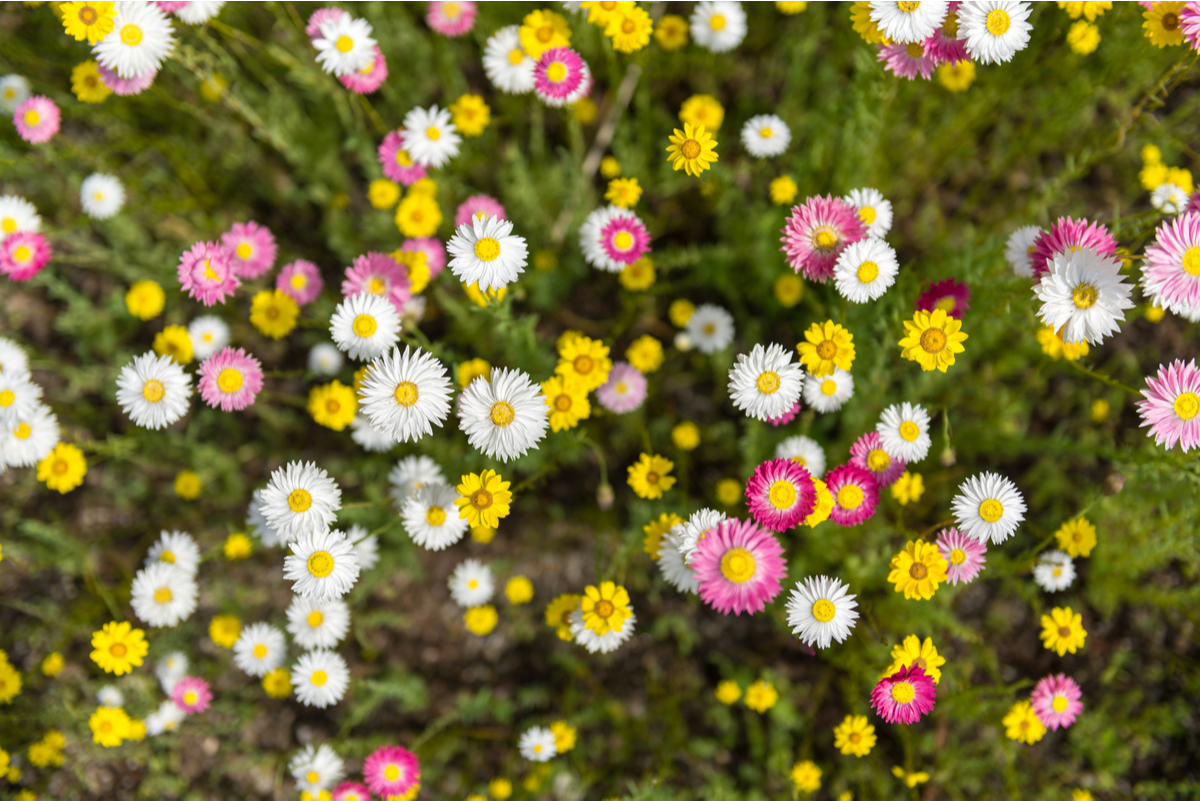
(369, 78)
(1172, 405)
(558, 76)
(351, 791)
(301, 281)
(451, 18)
(396, 162)
(379, 274)
(205, 273)
(952, 297)
(738, 566)
(965, 555)
(191, 694)
(907, 60)
(37, 119)
(944, 47)
(170, 6)
(434, 250)
(781, 493)
(1069, 235)
(23, 255)
(391, 770)
(817, 233)
(625, 238)
(313, 28)
(482, 206)
(1189, 24)
(1055, 701)
(786, 417)
(251, 248)
(855, 494)
(904, 696)
(625, 389)
(867, 452)
(126, 86)
(230, 379)
(1171, 273)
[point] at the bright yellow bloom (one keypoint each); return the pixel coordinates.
(585, 361)
(87, 84)
(956, 76)
(144, 300)
(680, 312)
(568, 402)
(188, 485)
(918, 570)
(655, 530)
(605, 608)
(1100, 410)
(629, 29)
(470, 114)
(519, 590)
(224, 630)
(109, 725)
(806, 776)
(728, 692)
(1083, 37)
(471, 369)
(645, 354)
(650, 477)
(910, 779)
(415, 264)
(564, 735)
(610, 167)
(1053, 345)
(237, 546)
(909, 487)
(827, 345)
(277, 683)
(383, 193)
(418, 215)
(692, 149)
(1182, 178)
(638, 276)
(424, 186)
(63, 469)
(500, 789)
(932, 339)
(864, 26)
(274, 313)
(672, 32)
(914, 652)
(48, 751)
(481, 620)
(1090, 10)
(729, 491)
(1154, 314)
(788, 289)
(119, 647)
(175, 342)
(824, 507)
(1077, 537)
(1081, 795)
(1022, 724)
(686, 436)
(1151, 154)
(10, 682)
(1152, 175)
(559, 610)
(52, 665)
(584, 109)
(761, 696)
(485, 498)
(854, 736)
(333, 405)
(483, 534)
(543, 30)
(1062, 631)
(783, 190)
(623, 192)
(599, 13)
(482, 299)
(1162, 24)
(702, 111)
(790, 8)
(91, 20)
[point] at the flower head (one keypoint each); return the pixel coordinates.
(905, 696)
(1062, 631)
(391, 770)
(738, 567)
(191, 694)
(624, 391)
(1084, 296)
(1055, 701)
(1066, 236)
(651, 476)
(118, 648)
(826, 346)
(855, 494)
(918, 570)
(921, 654)
(932, 339)
(854, 736)
(230, 379)
(88, 19)
(780, 494)
(692, 150)
(1077, 537)
(23, 255)
(1022, 724)
(817, 232)
(452, 18)
(139, 42)
(1171, 272)
(821, 611)
(868, 453)
(965, 555)
(718, 25)
(951, 296)
(205, 273)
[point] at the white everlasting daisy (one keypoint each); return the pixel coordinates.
(175, 548)
(710, 328)
(320, 678)
(101, 196)
(675, 571)
(471, 583)
(767, 383)
(537, 744)
(325, 359)
(988, 507)
(821, 611)
(718, 26)
(299, 499)
(873, 209)
(366, 547)
(315, 623)
(170, 669)
(208, 334)
(316, 768)
(198, 12)
(865, 270)
(404, 394)
(485, 252)
(828, 393)
(17, 216)
(365, 326)
(1020, 248)
(429, 137)
(259, 649)
(12, 358)
(1054, 571)
(766, 135)
(904, 431)
(1084, 296)
(345, 45)
(504, 417)
(321, 565)
(1169, 198)
(153, 390)
(372, 439)
(600, 643)
(31, 439)
(994, 30)
(15, 90)
(908, 21)
(431, 518)
(805, 452)
(138, 43)
(19, 398)
(508, 66)
(166, 718)
(163, 595)
(109, 695)
(692, 530)
(410, 474)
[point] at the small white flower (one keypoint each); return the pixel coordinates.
(208, 334)
(766, 135)
(163, 595)
(320, 678)
(365, 326)
(259, 649)
(471, 583)
(829, 393)
(710, 328)
(366, 547)
(431, 518)
(485, 252)
(30, 440)
(166, 718)
(907, 21)
(429, 137)
(904, 431)
(109, 695)
(821, 611)
(537, 744)
(198, 12)
(345, 45)
(805, 452)
(300, 498)
(325, 359)
(600, 643)
(988, 507)
(153, 390)
(372, 439)
(692, 530)
(175, 548)
(508, 66)
(15, 90)
(12, 358)
(138, 43)
(171, 668)
(675, 571)
(316, 768)
(1054, 571)
(404, 394)
(1084, 295)
(1019, 249)
(994, 30)
(321, 565)
(504, 417)
(874, 210)
(17, 216)
(1169, 198)
(410, 474)
(717, 25)
(317, 623)
(101, 196)
(865, 270)
(767, 383)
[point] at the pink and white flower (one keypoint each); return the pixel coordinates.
(625, 239)
(1068, 235)
(904, 696)
(313, 28)
(396, 162)
(191, 694)
(37, 119)
(1171, 407)
(738, 567)
(780, 494)
(23, 255)
(391, 770)
(482, 206)
(379, 274)
(126, 86)
(625, 389)
(205, 273)
(301, 281)
(559, 77)
(1171, 273)
(1055, 701)
(907, 60)
(251, 248)
(867, 452)
(964, 554)
(368, 79)
(817, 233)
(855, 494)
(451, 18)
(230, 379)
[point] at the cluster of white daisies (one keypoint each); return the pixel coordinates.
(28, 428)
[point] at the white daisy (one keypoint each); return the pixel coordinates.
(166, 718)
(320, 678)
(109, 695)
(1169, 198)
(874, 210)
(1084, 295)
(316, 768)
(691, 531)
(504, 417)
(805, 452)
(321, 565)
(828, 393)
(404, 394)
(153, 390)
(12, 358)
(345, 45)
(140, 41)
(17, 216)
(31, 439)
(366, 547)
(429, 137)
(508, 66)
(15, 90)
(316, 623)
(175, 548)
(163, 595)
(431, 518)
(865, 270)
(994, 30)
(821, 611)
(600, 643)
(486, 253)
(325, 359)
(904, 431)
(1054, 571)
(766, 135)
(101, 196)
(256, 524)
(908, 21)
(410, 474)
(767, 383)
(1019, 249)
(170, 669)
(537, 744)
(372, 439)
(710, 328)
(988, 507)
(471, 583)
(365, 326)
(299, 499)
(259, 649)
(717, 25)
(19, 398)
(198, 12)
(208, 334)
(670, 562)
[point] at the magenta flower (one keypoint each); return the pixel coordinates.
(786, 417)
(1189, 25)
(1172, 405)
(391, 770)
(351, 791)
(313, 28)
(452, 18)
(23, 255)
(855, 494)
(379, 274)
(1171, 273)
(37, 119)
(907, 60)
(738, 566)
(949, 295)
(1067, 235)
(965, 554)
(945, 49)
(904, 696)
(369, 78)
(251, 249)
(625, 238)
(867, 452)
(482, 206)
(625, 389)
(817, 233)
(558, 75)
(781, 494)
(434, 250)
(205, 273)
(170, 6)
(1055, 701)
(191, 694)
(396, 162)
(126, 86)
(230, 379)
(301, 281)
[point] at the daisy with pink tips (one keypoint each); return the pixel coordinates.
(301, 281)
(1171, 407)
(126, 87)
(230, 379)
(786, 417)
(23, 255)
(396, 162)
(817, 233)
(1171, 272)
(321, 15)
(855, 494)
(964, 554)
(867, 452)
(559, 77)
(952, 297)
(907, 60)
(205, 273)
(738, 567)
(781, 494)
(905, 696)
(191, 694)
(451, 18)
(1055, 701)
(251, 248)
(1189, 24)
(379, 274)
(391, 770)
(1068, 235)
(482, 206)
(368, 79)
(37, 119)
(625, 389)
(351, 791)
(625, 239)
(434, 250)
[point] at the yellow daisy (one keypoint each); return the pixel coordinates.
(224, 630)
(650, 476)
(826, 346)
(629, 29)
(623, 192)
(702, 111)
(605, 608)
(914, 652)
(806, 776)
(864, 26)
(1077, 537)
(672, 32)
(273, 313)
(109, 725)
(1022, 724)
(692, 149)
(568, 403)
(645, 353)
(470, 114)
(1062, 631)
(119, 647)
(485, 498)
(918, 570)
(854, 736)
(1162, 24)
(91, 20)
(788, 289)
(656, 529)
(761, 696)
(584, 361)
(638, 276)
(471, 369)
(728, 692)
(333, 405)
(418, 215)
(277, 683)
(559, 610)
(956, 76)
(481, 620)
(783, 190)
(63, 469)
(932, 339)
(87, 84)
(10, 682)
(383, 194)
(145, 299)
(542, 30)
(174, 341)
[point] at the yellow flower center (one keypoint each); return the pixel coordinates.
(244, 251)
(345, 44)
(1170, 21)
(189, 698)
(22, 431)
(909, 431)
(449, 11)
(209, 272)
(168, 557)
(1084, 296)
(850, 497)
(800, 460)
(738, 565)
(623, 240)
(918, 570)
(9, 225)
(827, 349)
(914, 49)
(768, 382)
(406, 393)
(32, 118)
(365, 325)
(260, 651)
(878, 460)
(433, 133)
(315, 618)
(22, 253)
(933, 340)
(131, 35)
(299, 500)
(583, 364)
(868, 271)
(319, 678)
(516, 56)
(823, 610)
(1059, 703)
(766, 133)
(332, 406)
(118, 650)
(782, 494)
(825, 238)
(153, 391)
(1191, 260)
(562, 403)
(867, 214)
(435, 516)
(903, 692)
(604, 608)
(391, 773)
(1064, 632)
(298, 281)
(545, 34)
(481, 499)
(403, 159)
(502, 413)
(907, 6)
(1057, 571)
(991, 510)
(622, 387)
(717, 22)
(690, 149)
(828, 386)
(320, 564)
(652, 478)
(628, 26)
(162, 595)
(1187, 405)
(229, 380)
(88, 15)
(61, 466)
(557, 71)
(958, 556)
(487, 249)
(998, 22)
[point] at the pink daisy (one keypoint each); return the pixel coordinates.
(379, 274)
(558, 75)
(170, 6)
(191, 694)
(904, 696)
(451, 18)
(907, 60)
(313, 28)
(369, 78)
(396, 162)
(205, 273)
(483, 206)
(37, 119)
(230, 379)
(23, 255)
(1055, 701)
(434, 250)
(1069, 235)
(391, 770)
(965, 554)
(126, 86)
(817, 233)
(781, 493)
(351, 791)
(625, 238)
(945, 46)
(867, 452)
(1172, 405)
(625, 389)
(786, 417)
(738, 566)
(1193, 202)
(1171, 273)
(1189, 24)
(855, 494)
(251, 248)
(301, 281)
(949, 295)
